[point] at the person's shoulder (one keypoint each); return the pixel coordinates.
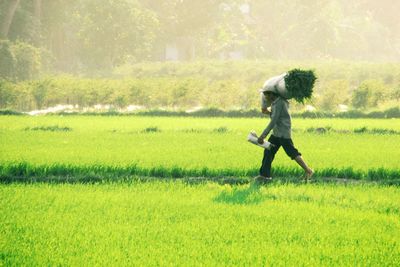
(283, 100)
(280, 100)
(281, 103)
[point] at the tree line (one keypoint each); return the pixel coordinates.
(213, 84)
(96, 36)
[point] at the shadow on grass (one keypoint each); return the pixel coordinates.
(242, 196)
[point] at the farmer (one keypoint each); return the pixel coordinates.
(280, 125)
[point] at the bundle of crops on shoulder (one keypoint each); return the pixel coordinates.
(296, 83)
(253, 138)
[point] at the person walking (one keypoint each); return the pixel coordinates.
(280, 125)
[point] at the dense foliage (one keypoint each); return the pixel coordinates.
(95, 36)
(20, 61)
(227, 85)
(300, 84)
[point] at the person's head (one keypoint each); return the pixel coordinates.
(270, 96)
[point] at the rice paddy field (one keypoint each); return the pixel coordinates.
(94, 190)
(211, 147)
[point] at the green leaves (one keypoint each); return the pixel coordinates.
(300, 83)
(109, 32)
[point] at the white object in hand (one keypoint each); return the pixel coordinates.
(253, 138)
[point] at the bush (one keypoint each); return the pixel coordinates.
(39, 92)
(7, 97)
(361, 97)
(9, 112)
(334, 93)
(7, 61)
(392, 113)
(19, 61)
(181, 86)
(396, 93)
(369, 94)
(27, 61)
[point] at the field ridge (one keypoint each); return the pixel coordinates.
(58, 172)
(390, 113)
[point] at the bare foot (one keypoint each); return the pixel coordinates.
(262, 179)
(309, 173)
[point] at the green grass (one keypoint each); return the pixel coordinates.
(174, 224)
(178, 147)
(143, 220)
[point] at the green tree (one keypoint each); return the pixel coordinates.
(7, 61)
(334, 93)
(40, 92)
(112, 31)
(369, 94)
(27, 61)
(7, 97)
(189, 22)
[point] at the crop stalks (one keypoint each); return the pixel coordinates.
(64, 173)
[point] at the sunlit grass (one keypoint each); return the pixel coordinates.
(170, 223)
(182, 224)
(190, 145)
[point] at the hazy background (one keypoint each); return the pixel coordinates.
(359, 40)
(90, 35)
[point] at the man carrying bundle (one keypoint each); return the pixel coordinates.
(280, 124)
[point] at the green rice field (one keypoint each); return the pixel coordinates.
(174, 224)
(179, 147)
(163, 191)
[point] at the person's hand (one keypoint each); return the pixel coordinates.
(265, 111)
(260, 140)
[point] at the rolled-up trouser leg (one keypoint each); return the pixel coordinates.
(289, 148)
(269, 156)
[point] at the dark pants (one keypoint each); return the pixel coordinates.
(269, 155)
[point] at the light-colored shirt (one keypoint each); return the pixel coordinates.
(281, 122)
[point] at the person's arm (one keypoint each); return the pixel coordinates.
(274, 119)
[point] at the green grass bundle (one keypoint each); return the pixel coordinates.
(299, 84)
